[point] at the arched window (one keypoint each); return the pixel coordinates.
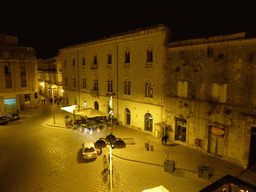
(96, 105)
(96, 85)
(110, 85)
(109, 57)
(84, 82)
(150, 55)
(148, 122)
(127, 86)
(149, 86)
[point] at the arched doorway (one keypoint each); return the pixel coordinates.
(148, 122)
(96, 105)
(127, 116)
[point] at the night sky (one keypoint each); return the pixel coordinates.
(48, 27)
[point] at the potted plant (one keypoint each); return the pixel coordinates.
(91, 124)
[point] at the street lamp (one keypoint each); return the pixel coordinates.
(113, 142)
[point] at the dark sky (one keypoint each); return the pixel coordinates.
(47, 27)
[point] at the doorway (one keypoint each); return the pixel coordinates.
(127, 116)
(180, 129)
(252, 156)
(96, 105)
(148, 122)
(216, 140)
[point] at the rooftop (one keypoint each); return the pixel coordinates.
(208, 40)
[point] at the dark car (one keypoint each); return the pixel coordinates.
(13, 116)
(3, 120)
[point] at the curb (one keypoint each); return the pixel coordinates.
(55, 126)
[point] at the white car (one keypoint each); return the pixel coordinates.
(89, 151)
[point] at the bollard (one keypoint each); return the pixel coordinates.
(169, 166)
(203, 171)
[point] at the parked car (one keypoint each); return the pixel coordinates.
(3, 120)
(13, 116)
(89, 151)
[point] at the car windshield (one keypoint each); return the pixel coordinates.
(89, 149)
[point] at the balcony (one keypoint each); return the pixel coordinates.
(95, 93)
(109, 66)
(94, 66)
(149, 65)
(127, 65)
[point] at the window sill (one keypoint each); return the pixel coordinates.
(149, 65)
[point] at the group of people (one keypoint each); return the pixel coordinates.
(55, 100)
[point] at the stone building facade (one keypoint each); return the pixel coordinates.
(50, 77)
(18, 85)
(210, 99)
(128, 66)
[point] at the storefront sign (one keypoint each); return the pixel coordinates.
(217, 131)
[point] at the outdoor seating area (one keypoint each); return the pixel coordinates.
(87, 120)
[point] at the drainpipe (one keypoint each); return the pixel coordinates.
(78, 84)
(117, 79)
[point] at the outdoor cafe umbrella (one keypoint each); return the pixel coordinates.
(160, 188)
(90, 113)
(84, 111)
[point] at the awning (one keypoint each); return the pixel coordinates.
(167, 126)
(157, 189)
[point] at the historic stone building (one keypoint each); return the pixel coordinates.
(128, 66)
(18, 85)
(50, 77)
(210, 96)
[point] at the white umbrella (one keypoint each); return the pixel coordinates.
(69, 109)
(84, 111)
(157, 189)
(93, 113)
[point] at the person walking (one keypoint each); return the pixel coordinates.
(105, 163)
(164, 139)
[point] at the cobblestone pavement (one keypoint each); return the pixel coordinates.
(38, 154)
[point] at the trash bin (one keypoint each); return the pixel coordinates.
(169, 166)
(203, 171)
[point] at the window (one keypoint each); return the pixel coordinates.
(74, 62)
(149, 55)
(83, 61)
(27, 97)
(65, 62)
(96, 88)
(66, 81)
(84, 83)
(127, 87)
(127, 57)
(149, 89)
(36, 96)
(110, 85)
(109, 58)
(209, 52)
(23, 77)
(74, 82)
(183, 89)
(8, 76)
(95, 59)
(219, 92)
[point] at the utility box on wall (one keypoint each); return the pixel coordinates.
(198, 142)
